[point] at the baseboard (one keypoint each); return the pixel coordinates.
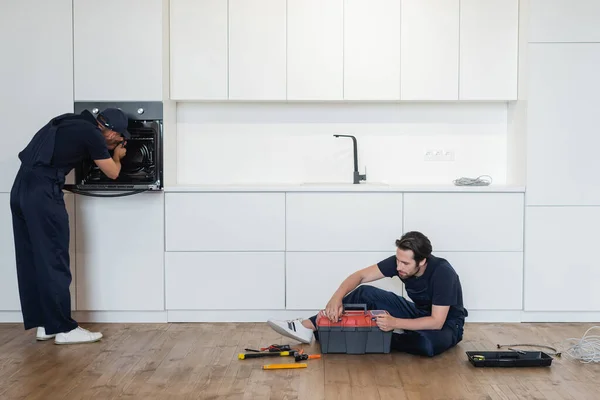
(120, 316)
(482, 316)
(11, 317)
(236, 315)
(560, 316)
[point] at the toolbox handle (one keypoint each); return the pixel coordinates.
(359, 306)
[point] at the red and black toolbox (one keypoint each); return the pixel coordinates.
(356, 332)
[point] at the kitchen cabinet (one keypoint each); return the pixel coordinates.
(36, 74)
(9, 289)
(225, 221)
(199, 50)
(564, 21)
(119, 251)
(257, 50)
(118, 50)
(225, 280)
(315, 45)
(489, 47)
(312, 277)
(429, 50)
(467, 221)
(343, 221)
(372, 50)
(562, 112)
(561, 274)
(490, 280)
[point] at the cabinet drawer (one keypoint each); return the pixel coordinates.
(225, 221)
(467, 221)
(225, 281)
(312, 278)
(343, 221)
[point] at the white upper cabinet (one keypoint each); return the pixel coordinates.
(429, 49)
(564, 21)
(315, 60)
(198, 51)
(372, 50)
(118, 52)
(257, 49)
(489, 46)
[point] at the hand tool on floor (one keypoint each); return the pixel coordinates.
(244, 356)
(301, 357)
(284, 366)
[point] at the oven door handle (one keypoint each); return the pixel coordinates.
(72, 189)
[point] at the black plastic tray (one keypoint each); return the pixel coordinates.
(509, 359)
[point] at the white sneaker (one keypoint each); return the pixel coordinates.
(292, 329)
(77, 335)
(41, 334)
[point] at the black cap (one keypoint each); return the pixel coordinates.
(116, 120)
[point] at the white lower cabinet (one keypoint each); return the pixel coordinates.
(343, 221)
(9, 288)
(561, 272)
(489, 280)
(120, 253)
(225, 280)
(313, 277)
(467, 221)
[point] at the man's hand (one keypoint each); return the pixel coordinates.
(334, 309)
(119, 152)
(386, 322)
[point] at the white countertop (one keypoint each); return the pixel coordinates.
(346, 187)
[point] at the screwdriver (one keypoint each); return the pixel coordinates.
(243, 356)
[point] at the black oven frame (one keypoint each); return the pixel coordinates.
(150, 111)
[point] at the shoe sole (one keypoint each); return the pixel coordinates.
(44, 339)
(82, 342)
(286, 333)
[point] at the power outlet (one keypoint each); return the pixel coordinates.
(439, 155)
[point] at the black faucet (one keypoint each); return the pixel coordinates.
(357, 176)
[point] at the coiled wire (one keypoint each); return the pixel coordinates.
(585, 349)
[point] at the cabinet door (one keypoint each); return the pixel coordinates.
(120, 253)
(315, 61)
(118, 50)
(225, 281)
(36, 74)
(312, 278)
(489, 280)
(429, 50)
(343, 221)
(489, 46)
(564, 21)
(372, 50)
(257, 49)
(467, 221)
(9, 289)
(198, 49)
(562, 115)
(561, 271)
(225, 221)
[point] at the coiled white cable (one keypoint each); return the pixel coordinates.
(473, 181)
(585, 349)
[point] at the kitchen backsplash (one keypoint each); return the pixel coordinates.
(268, 143)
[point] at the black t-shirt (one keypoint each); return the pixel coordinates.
(439, 285)
(77, 140)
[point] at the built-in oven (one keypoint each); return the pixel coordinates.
(142, 166)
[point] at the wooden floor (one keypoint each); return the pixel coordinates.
(199, 361)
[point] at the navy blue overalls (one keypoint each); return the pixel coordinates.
(41, 234)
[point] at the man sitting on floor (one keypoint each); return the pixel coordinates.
(431, 325)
